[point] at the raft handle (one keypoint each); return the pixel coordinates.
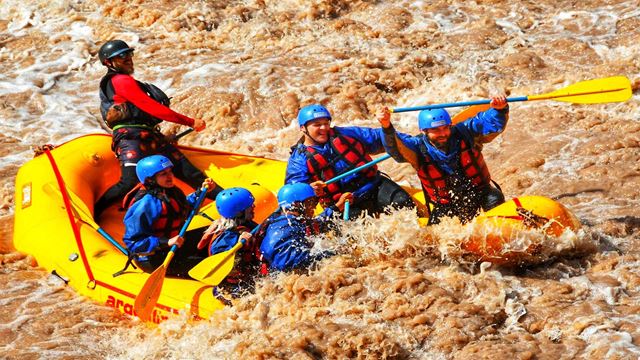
(91, 284)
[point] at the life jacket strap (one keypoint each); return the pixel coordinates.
(131, 256)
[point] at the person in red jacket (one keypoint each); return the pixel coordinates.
(133, 110)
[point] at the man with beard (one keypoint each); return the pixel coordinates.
(325, 152)
(448, 158)
(133, 110)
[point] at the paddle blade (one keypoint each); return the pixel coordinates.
(148, 297)
(597, 91)
(79, 207)
(214, 269)
(469, 113)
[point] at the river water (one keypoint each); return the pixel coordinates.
(247, 66)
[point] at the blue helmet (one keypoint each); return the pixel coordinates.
(233, 202)
(433, 118)
(312, 112)
(151, 165)
(292, 193)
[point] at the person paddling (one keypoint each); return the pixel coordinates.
(448, 158)
(133, 110)
(284, 236)
(236, 208)
(325, 151)
(154, 216)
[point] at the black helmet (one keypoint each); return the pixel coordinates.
(112, 48)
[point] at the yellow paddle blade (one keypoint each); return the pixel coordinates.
(468, 113)
(597, 91)
(148, 297)
(214, 269)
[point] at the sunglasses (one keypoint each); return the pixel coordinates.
(124, 55)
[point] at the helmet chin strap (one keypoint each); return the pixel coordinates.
(309, 135)
(109, 65)
(151, 182)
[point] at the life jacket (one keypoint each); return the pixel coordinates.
(134, 115)
(436, 183)
(168, 224)
(250, 260)
(285, 223)
(174, 208)
(350, 151)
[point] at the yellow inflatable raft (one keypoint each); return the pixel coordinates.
(497, 235)
(65, 240)
(55, 193)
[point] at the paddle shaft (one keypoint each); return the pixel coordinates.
(110, 239)
(455, 104)
(82, 215)
(192, 213)
(588, 88)
(353, 171)
(186, 132)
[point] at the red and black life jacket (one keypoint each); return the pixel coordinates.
(250, 260)
(350, 151)
(435, 182)
(174, 208)
(136, 115)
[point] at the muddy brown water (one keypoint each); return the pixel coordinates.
(247, 66)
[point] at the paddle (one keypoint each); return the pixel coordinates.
(353, 171)
(148, 296)
(83, 214)
(215, 268)
(186, 132)
(597, 91)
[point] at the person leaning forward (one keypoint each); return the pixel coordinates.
(133, 109)
(284, 237)
(236, 207)
(448, 158)
(325, 152)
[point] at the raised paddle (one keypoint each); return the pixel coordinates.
(148, 297)
(83, 214)
(597, 91)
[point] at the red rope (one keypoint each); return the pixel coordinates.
(67, 205)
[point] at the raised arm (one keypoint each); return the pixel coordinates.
(402, 147)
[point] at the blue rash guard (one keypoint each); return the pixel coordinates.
(138, 222)
(486, 123)
(285, 245)
(371, 139)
